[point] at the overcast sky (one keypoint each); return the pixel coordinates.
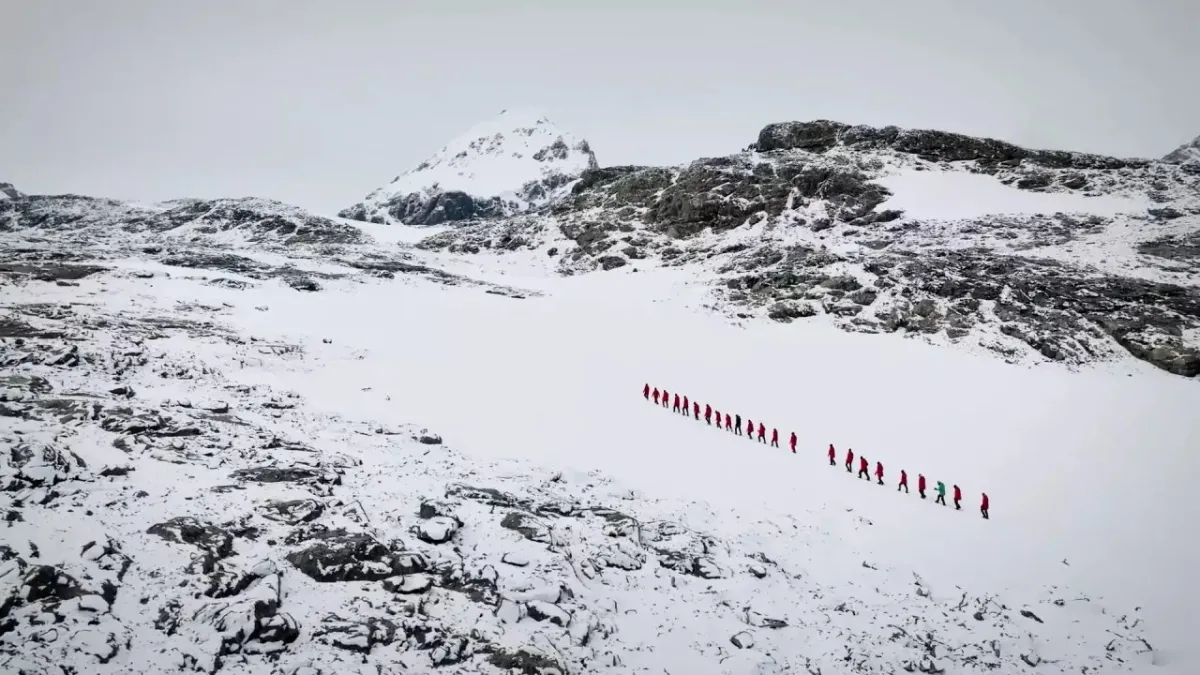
(317, 102)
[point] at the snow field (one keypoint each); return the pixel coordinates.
(1085, 467)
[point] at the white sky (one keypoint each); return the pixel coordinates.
(317, 103)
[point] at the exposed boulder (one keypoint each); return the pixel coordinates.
(352, 556)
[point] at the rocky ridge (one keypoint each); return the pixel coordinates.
(801, 225)
(185, 221)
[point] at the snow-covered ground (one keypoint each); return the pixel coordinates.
(1091, 467)
(954, 195)
(1088, 474)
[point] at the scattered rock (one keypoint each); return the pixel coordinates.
(742, 640)
(514, 559)
(437, 530)
(346, 556)
(410, 584)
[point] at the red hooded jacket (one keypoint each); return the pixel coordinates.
(646, 390)
(849, 455)
(921, 482)
(957, 494)
(832, 453)
(685, 403)
(656, 394)
(903, 477)
(676, 404)
(728, 420)
(749, 427)
(863, 465)
(708, 412)
(879, 469)
(984, 505)
(762, 430)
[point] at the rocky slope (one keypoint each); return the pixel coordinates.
(512, 164)
(1082, 258)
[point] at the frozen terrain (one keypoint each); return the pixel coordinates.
(244, 477)
(241, 438)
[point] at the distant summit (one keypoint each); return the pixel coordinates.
(7, 191)
(508, 165)
(1188, 153)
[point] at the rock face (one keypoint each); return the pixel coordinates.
(823, 221)
(509, 165)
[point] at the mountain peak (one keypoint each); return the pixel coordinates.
(514, 162)
(1186, 153)
(7, 191)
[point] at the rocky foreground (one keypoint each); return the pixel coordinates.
(166, 511)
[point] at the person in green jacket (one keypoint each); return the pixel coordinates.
(941, 492)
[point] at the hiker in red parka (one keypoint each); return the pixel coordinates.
(832, 455)
(708, 414)
(774, 438)
(792, 442)
(646, 391)
(675, 405)
(666, 397)
(687, 409)
(696, 410)
(957, 498)
(749, 428)
(864, 468)
(983, 506)
(921, 485)
(656, 396)
(762, 433)
(849, 460)
(879, 472)
(903, 481)
(728, 422)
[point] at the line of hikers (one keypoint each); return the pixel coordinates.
(733, 423)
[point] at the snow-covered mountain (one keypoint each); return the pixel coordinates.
(237, 437)
(512, 164)
(1188, 153)
(1033, 255)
